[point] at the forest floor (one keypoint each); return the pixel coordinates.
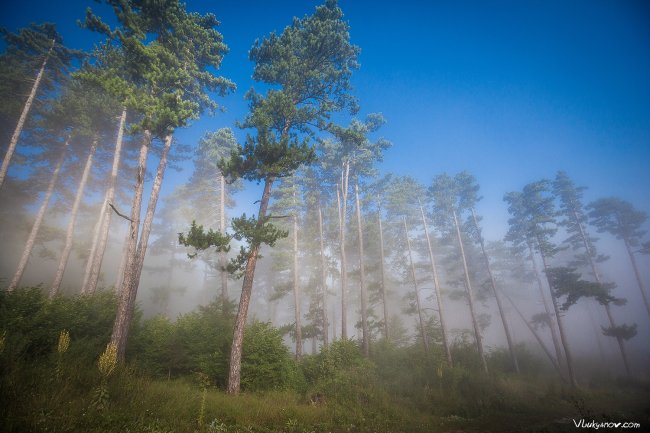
(37, 400)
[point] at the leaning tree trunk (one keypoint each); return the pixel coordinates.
(120, 270)
(296, 286)
(93, 248)
(537, 337)
(610, 317)
(425, 340)
(121, 324)
(65, 255)
(470, 295)
(323, 279)
(222, 228)
(497, 296)
(234, 372)
(383, 276)
(23, 116)
(560, 326)
(362, 279)
(95, 260)
(29, 245)
(137, 263)
(639, 281)
(436, 283)
(547, 310)
(342, 199)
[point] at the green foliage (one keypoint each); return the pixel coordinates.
(201, 240)
(566, 282)
(266, 361)
(625, 332)
(619, 218)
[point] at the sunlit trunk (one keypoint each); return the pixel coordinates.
(362, 278)
(23, 117)
(470, 296)
(497, 296)
(234, 372)
(97, 231)
(29, 245)
(95, 260)
(436, 284)
(342, 200)
(560, 326)
(65, 254)
(121, 325)
(222, 228)
(382, 259)
(323, 279)
(425, 340)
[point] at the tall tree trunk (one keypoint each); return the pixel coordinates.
(436, 284)
(560, 326)
(362, 278)
(537, 336)
(551, 322)
(425, 340)
(29, 245)
(342, 200)
(97, 232)
(323, 279)
(470, 295)
(222, 228)
(234, 372)
(382, 259)
(133, 274)
(23, 117)
(639, 281)
(497, 296)
(95, 260)
(65, 255)
(296, 288)
(120, 270)
(610, 317)
(121, 324)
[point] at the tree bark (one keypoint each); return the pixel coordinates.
(222, 228)
(95, 260)
(382, 258)
(506, 328)
(425, 340)
(323, 279)
(65, 255)
(362, 279)
(29, 245)
(560, 326)
(470, 295)
(296, 288)
(121, 324)
(436, 283)
(234, 372)
(97, 231)
(342, 199)
(23, 117)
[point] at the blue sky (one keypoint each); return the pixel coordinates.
(510, 90)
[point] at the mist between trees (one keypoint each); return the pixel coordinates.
(336, 251)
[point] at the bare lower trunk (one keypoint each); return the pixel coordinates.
(547, 310)
(222, 228)
(497, 296)
(425, 340)
(342, 208)
(296, 288)
(65, 255)
(362, 279)
(323, 279)
(639, 281)
(21, 120)
(382, 259)
(95, 260)
(29, 245)
(470, 296)
(436, 284)
(619, 340)
(97, 232)
(560, 326)
(234, 372)
(121, 325)
(120, 270)
(537, 337)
